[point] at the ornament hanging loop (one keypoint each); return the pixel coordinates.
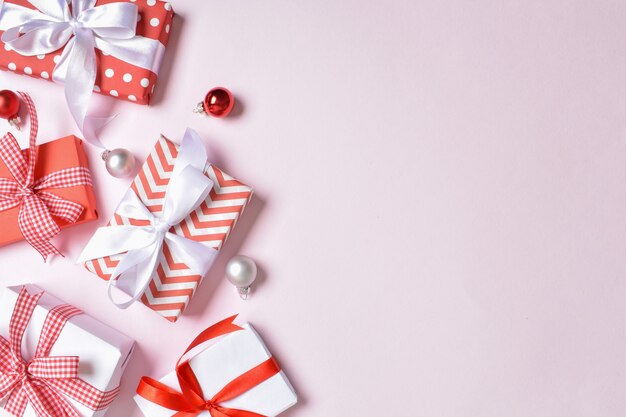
(199, 109)
(15, 122)
(243, 292)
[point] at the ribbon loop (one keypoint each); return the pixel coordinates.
(187, 189)
(36, 205)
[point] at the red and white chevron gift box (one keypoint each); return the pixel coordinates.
(174, 283)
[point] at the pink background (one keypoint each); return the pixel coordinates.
(439, 212)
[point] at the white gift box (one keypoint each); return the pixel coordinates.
(103, 352)
(229, 357)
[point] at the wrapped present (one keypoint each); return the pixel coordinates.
(113, 47)
(234, 376)
(43, 189)
(169, 227)
(55, 360)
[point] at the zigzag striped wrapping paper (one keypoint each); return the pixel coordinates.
(173, 283)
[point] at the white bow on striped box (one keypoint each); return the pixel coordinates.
(174, 272)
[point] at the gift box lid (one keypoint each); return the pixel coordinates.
(224, 360)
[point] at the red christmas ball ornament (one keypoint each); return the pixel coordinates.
(218, 102)
(9, 107)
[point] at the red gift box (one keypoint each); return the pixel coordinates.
(114, 77)
(42, 188)
(53, 156)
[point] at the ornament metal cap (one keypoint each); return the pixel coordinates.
(15, 122)
(243, 292)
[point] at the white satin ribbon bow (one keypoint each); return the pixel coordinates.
(187, 189)
(110, 28)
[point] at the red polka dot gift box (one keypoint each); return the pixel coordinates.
(127, 60)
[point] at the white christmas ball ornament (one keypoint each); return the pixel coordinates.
(241, 272)
(119, 162)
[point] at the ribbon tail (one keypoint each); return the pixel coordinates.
(197, 256)
(92, 125)
(163, 395)
(46, 402)
(113, 240)
(134, 273)
(79, 83)
(38, 227)
(218, 329)
(17, 402)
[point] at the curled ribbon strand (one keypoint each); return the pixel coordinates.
(44, 380)
(79, 30)
(187, 189)
(190, 401)
(36, 205)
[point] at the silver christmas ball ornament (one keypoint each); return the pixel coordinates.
(241, 272)
(119, 162)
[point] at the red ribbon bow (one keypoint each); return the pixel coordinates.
(190, 402)
(37, 206)
(43, 380)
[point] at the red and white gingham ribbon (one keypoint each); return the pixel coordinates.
(44, 381)
(37, 206)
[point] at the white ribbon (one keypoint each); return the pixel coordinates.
(187, 189)
(110, 28)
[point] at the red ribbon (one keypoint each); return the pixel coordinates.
(37, 206)
(191, 402)
(44, 380)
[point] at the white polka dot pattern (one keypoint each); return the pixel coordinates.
(115, 77)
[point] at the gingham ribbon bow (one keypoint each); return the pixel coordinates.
(44, 381)
(37, 206)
